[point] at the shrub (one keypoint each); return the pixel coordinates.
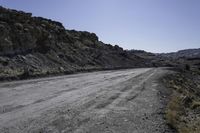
(187, 67)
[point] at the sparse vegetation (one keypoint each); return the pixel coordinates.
(195, 104)
(173, 111)
(187, 67)
(182, 112)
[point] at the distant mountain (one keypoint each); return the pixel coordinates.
(35, 46)
(187, 53)
(182, 58)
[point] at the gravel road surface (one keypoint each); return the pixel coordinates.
(118, 101)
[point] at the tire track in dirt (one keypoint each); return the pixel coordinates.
(114, 101)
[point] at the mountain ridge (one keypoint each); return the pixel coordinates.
(188, 53)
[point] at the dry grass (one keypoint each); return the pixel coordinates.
(183, 110)
(190, 128)
(173, 111)
(195, 104)
(177, 119)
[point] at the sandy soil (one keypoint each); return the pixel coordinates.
(122, 101)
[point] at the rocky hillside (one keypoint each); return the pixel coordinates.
(35, 46)
(189, 57)
(187, 53)
(155, 60)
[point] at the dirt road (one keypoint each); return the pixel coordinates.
(122, 101)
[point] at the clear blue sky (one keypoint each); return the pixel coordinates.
(151, 25)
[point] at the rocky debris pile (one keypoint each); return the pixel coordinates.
(35, 46)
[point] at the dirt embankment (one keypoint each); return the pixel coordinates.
(183, 110)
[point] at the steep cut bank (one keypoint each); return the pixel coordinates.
(35, 46)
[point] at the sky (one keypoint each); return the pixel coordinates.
(150, 25)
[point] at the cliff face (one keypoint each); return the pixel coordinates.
(34, 46)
